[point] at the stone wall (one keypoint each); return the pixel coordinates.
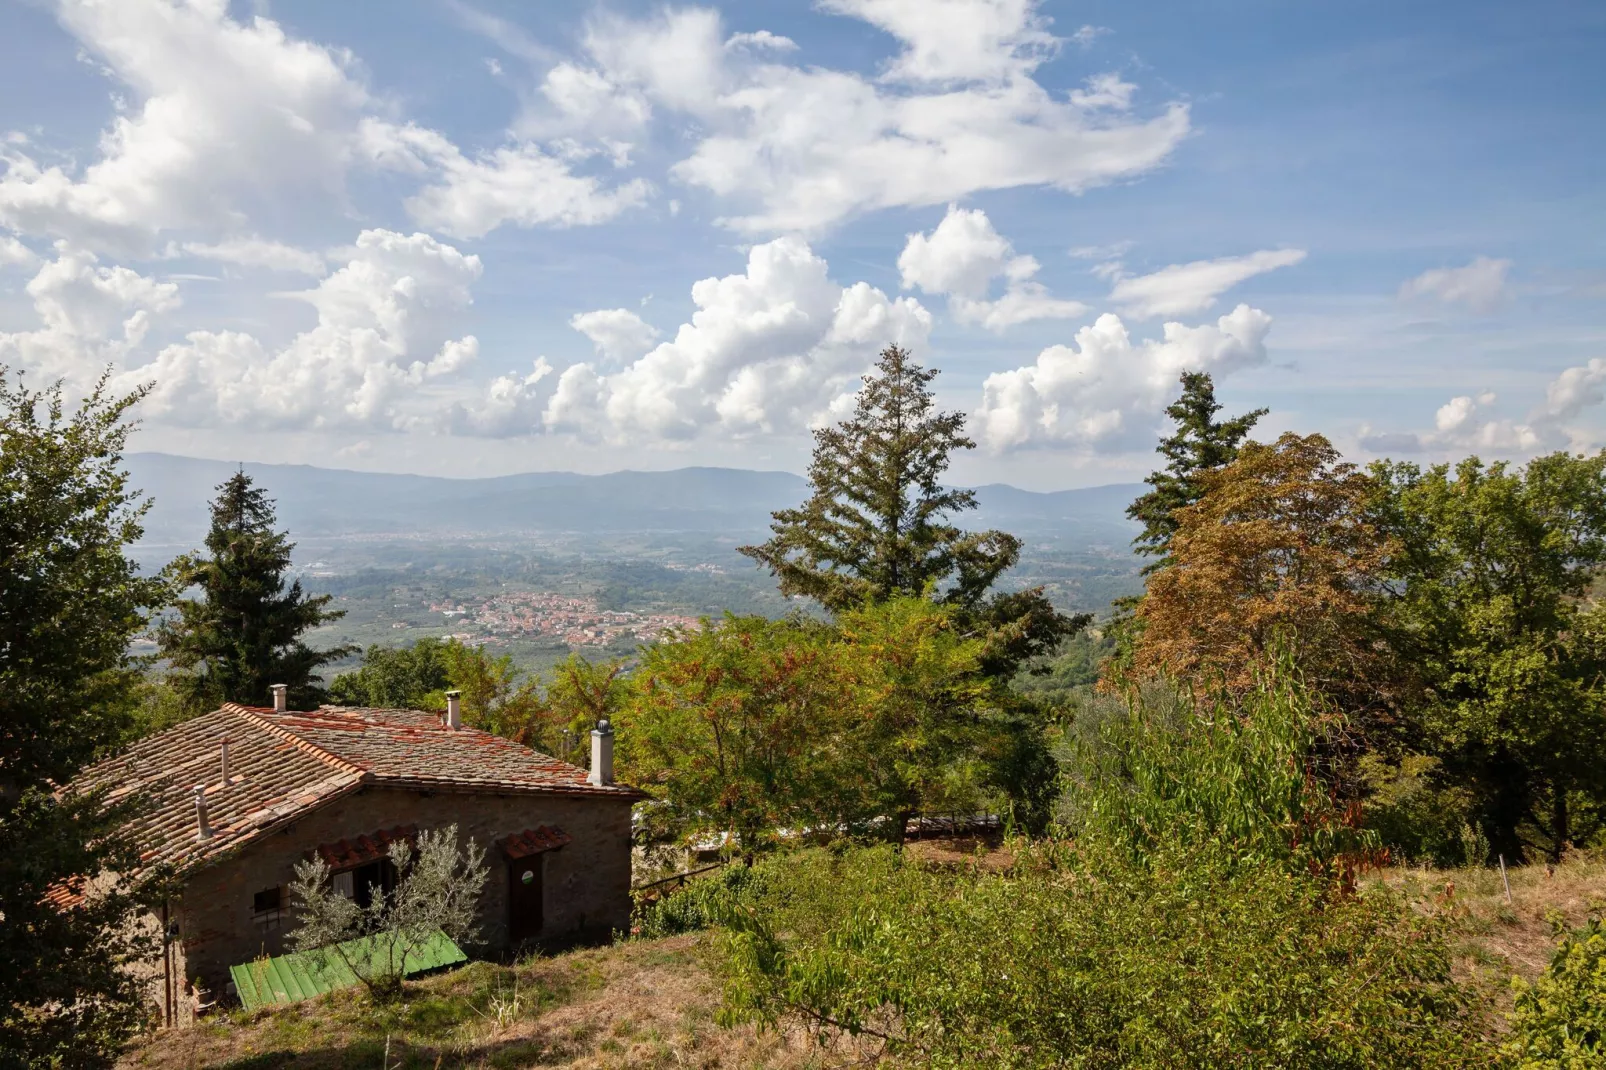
(586, 883)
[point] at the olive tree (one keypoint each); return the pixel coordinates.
(437, 888)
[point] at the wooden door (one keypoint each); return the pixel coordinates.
(524, 898)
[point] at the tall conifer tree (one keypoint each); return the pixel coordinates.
(1199, 444)
(244, 633)
(877, 524)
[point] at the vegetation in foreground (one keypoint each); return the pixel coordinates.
(635, 1004)
(653, 1002)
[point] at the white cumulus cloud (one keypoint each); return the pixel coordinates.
(1469, 422)
(1574, 390)
(387, 326)
(962, 256)
(1180, 289)
(520, 184)
(1105, 392)
(227, 111)
(257, 253)
(618, 333)
(217, 116)
(798, 148)
(90, 316)
(957, 40)
(15, 254)
(1479, 285)
(772, 349)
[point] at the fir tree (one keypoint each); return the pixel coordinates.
(244, 634)
(877, 524)
(1199, 444)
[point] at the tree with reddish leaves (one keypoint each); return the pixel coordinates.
(1280, 551)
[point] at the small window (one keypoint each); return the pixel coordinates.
(267, 906)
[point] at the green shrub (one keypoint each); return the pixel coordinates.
(1417, 815)
(1082, 956)
(1244, 778)
(1559, 1022)
(699, 904)
(1199, 917)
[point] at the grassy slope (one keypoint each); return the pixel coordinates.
(1503, 941)
(638, 1004)
(652, 1004)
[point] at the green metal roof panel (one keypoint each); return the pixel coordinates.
(288, 978)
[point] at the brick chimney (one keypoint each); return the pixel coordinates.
(601, 754)
(203, 830)
(281, 702)
(454, 710)
(224, 754)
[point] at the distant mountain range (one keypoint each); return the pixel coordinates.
(335, 502)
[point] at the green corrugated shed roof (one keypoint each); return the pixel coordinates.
(288, 978)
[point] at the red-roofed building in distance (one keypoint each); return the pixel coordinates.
(240, 795)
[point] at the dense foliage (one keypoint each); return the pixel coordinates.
(1185, 925)
(553, 714)
(1199, 444)
(70, 602)
(244, 633)
(877, 523)
(1280, 549)
(1490, 607)
(70, 599)
(1560, 1021)
(758, 730)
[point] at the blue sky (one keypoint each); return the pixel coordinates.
(473, 237)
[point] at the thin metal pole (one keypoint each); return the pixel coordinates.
(1504, 880)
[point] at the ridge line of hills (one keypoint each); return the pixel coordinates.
(314, 501)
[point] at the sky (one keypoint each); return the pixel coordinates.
(473, 237)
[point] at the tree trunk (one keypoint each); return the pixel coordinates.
(1560, 824)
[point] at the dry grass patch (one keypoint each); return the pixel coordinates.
(1500, 940)
(639, 1004)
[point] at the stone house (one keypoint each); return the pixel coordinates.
(242, 794)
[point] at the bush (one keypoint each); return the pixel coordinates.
(1084, 957)
(1201, 916)
(1243, 776)
(1418, 816)
(699, 904)
(1559, 1022)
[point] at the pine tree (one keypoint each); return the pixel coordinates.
(877, 526)
(244, 634)
(1199, 444)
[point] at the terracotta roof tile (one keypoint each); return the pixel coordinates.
(282, 764)
(349, 854)
(534, 841)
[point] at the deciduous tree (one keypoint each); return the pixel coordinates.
(70, 602)
(1280, 548)
(735, 728)
(1491, 602)
(437, 889)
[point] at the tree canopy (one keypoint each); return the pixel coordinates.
(244, 633)
(877, 524)
(1279, 549)
(1491, 603)
(70, 603)
(1199, 444)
